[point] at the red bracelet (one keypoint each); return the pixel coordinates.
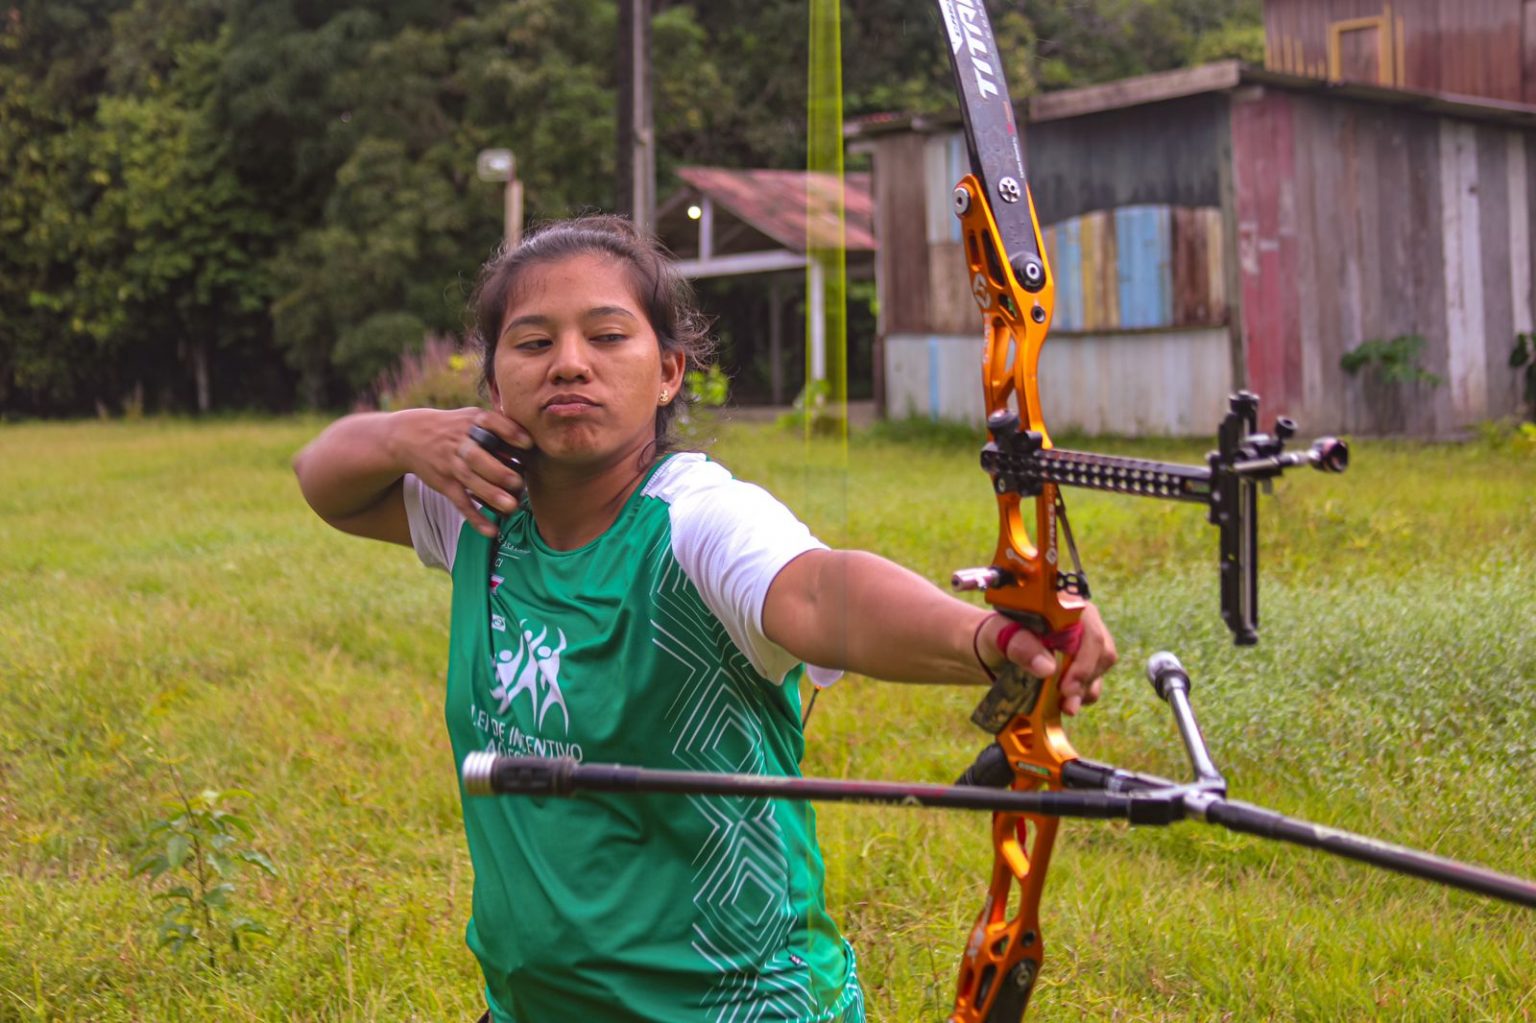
(1005, 634)
(1067, 640)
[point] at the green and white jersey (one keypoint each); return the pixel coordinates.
(643, 647)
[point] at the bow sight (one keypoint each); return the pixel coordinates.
(1019, 463)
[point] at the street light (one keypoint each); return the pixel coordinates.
(501, 165)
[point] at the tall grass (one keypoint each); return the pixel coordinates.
(169, 606)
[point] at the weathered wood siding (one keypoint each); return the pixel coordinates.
(1199, 266)
(1136, 267)
(901, 262)
(1264, 193)
(1164, 154)
(1473, 47)
(1321, 220)
(1358, 222)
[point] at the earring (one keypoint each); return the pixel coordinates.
(664, 393)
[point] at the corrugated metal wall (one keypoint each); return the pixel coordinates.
(1167, 154)
(1359, 222)
(1474, 47)
(1139, 345)
(1171, 383)
(1157, 259)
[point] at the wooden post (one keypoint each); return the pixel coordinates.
(637, 146)
(775, 343)
(816, 327)
(706, 229)
(513, 231)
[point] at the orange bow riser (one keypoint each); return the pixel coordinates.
(1003, 956)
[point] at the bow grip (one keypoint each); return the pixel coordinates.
(1014, 691)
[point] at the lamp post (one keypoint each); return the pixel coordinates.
(501, 165)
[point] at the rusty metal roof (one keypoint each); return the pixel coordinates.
(790, 207)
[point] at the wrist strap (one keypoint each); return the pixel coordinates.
(1003, 637)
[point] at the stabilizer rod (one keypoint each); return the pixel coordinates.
(486, 774)
(1092, 790)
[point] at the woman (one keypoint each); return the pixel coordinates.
(618, 603)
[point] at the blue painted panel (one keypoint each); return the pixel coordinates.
(1143, 245)
(1069, 275)
(934, 401)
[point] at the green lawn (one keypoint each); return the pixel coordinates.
(171, 615)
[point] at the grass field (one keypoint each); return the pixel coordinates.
(172, 617)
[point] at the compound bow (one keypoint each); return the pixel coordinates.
(1030, 776)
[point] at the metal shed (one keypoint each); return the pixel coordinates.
(1228, 226)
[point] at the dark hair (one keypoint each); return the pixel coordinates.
(664, 294)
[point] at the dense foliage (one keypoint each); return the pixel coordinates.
(236, 203)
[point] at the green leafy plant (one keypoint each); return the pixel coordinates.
(1522, 359)
(1394, 361)
(711, 387)
(199, 849)
(810, 407)
(1508, 434)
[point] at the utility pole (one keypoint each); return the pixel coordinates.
(637, 138)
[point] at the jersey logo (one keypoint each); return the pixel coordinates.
(534, 669)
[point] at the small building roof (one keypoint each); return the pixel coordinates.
(1220, 76)
(789, 207)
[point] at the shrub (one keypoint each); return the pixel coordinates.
(440, 375)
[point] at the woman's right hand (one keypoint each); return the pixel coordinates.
(438, 449)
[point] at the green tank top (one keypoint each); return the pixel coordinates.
(610, 908)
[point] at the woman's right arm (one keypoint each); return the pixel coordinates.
(351, 474)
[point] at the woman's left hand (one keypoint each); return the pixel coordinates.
(1082, 682)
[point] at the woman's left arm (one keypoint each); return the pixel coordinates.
(859, 612)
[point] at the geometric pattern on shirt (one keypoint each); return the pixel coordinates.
(741, 874)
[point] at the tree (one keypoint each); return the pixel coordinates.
(211, 202)
(133, 240)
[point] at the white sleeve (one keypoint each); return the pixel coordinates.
(732, 539)
(435, 524)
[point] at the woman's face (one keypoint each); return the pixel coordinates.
(578, 365)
